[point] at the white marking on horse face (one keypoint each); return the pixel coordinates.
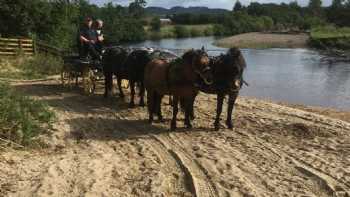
(238, 83)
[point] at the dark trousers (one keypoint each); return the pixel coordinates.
(87, 49)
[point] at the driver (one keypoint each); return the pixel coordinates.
(88, 41)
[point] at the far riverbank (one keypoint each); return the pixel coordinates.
(264, 40)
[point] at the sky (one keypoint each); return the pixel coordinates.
(225, 4)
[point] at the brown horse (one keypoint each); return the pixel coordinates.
(176, 78)
(227, 73)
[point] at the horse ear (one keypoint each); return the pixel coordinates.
(203, 49)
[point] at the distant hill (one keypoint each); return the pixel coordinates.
(181, 10)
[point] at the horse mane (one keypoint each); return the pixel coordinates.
(236, 53)
(188, 55)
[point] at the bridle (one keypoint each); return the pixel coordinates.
(201, 75)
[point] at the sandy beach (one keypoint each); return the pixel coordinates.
(100, 147)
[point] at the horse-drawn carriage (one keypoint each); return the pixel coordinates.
(74, 68)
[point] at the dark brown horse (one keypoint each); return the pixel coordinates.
(227, 70)
(113, 64)
(176, 78)
(135, 65)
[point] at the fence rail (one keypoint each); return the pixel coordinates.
(11, 47)
(47, 49)
(15, 46)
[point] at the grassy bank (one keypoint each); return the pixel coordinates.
(21, 118)
(180, 31)
(330, 37)
(26, 67)
(264, 40)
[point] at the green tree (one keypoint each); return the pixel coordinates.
(155, 23)
(315, 7)
(137, 8)
(238, 6)
(336, 4)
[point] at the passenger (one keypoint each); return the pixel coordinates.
(88, 42)
(100, 36)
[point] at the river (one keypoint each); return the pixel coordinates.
(294, 76)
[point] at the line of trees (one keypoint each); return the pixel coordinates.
(57, 21)
(270, 16)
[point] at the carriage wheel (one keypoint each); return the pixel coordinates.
(89, 81)
(65, 77)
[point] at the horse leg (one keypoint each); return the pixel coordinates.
(188, 111)
(158, 107)
(150, 106)
(132, 92)
(231, 102)
(220, 100)
(121, 93)
(192, 108)
(170, 100)
(108, 84)
(142, 94)
(175, 111)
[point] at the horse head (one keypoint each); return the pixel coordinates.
(199, 60)
(235, 63)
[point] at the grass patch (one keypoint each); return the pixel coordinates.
(330, 37)
(26, 67)
(172, 31)
(21, 118)
(330, 32)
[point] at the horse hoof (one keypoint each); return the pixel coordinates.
(131, 105)
(189, 126)
(106, 95)
(173, 127)
(229, 125)
(216, 127)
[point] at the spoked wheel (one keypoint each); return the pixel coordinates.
(89, 81)
(66, 77)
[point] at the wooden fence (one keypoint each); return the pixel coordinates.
(42, 47)
(14, 46)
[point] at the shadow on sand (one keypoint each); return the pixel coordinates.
(97, 116)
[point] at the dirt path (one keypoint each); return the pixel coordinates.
(100, 147)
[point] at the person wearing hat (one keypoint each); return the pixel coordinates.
(87, 41)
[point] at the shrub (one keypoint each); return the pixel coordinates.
(25, 67)
(155, 24)
(181, 31)
(22, 118)
(208, 31)
(196, 32)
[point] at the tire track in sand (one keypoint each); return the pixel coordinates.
(202, 184)
(177, 178)
(196, 177)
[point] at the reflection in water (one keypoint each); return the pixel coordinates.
(288, 75)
